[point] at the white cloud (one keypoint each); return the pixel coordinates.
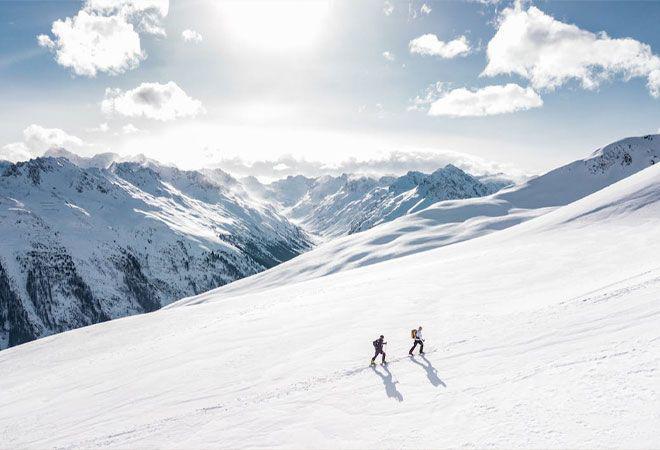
(104, 36)
(425, 9)
(45, 41)
(191, 36)
(487, 101)
(39, 139)
(388, 8)
(429, 44)
(389, 56)
(146, 15)
(654, 83)
(15, 152)
(550, 53)
(89, 43)
(36, 141)
(129, 128)
(431, 94)
(152, 100)
(102, 128)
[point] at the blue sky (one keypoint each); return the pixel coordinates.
(309, 80)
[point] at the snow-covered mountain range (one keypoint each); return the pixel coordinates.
(99, 240)
(452, 221)
(92, 239)
(538, 334)
(334, 206)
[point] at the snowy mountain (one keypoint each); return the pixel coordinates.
(335, 206)
(82, 245)
(452, 221)
(92, 239)
(101, 239)
(543, 334)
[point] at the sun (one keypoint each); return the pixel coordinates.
(274, 25)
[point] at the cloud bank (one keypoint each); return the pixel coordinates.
(393, 163)
(36, 141)
(156, 101)
(487, 101)
(550, 53)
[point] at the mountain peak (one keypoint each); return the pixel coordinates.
(33, 169)
(639, 151)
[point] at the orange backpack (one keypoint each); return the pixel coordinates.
(413, 334)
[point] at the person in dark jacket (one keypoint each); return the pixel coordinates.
(378, 345)
(418, 340)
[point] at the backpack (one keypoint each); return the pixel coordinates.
(413, 334)
(375, 343)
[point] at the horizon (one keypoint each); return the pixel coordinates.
(302, 87)
(262, 170)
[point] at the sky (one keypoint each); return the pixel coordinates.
(275, 87)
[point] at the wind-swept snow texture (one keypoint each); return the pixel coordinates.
(454, 221)
(541, 335)
(81, 245)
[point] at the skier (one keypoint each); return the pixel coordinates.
(417, 336)
(378, 345)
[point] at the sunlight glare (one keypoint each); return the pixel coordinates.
(274, 25)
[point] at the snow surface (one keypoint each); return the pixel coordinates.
(544, 334)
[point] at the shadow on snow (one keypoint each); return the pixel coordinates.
(431, 372)
(388, 381)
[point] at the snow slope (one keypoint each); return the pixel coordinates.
(452, 221)
(544, 334)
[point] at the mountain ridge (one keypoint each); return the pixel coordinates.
(452, 221)
(84, 245)
(331, 206)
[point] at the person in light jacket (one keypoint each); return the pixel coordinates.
(419, 339)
